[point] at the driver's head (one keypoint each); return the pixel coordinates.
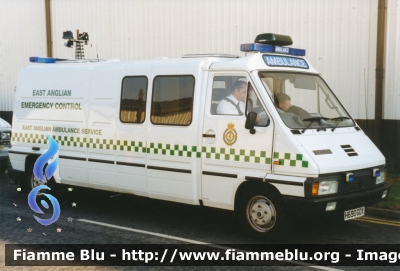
(283, 101)
(239, 89)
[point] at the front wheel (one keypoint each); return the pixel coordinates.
(261, 211)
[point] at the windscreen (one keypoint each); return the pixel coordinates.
(304, 101)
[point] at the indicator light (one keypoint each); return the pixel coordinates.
(314, 189)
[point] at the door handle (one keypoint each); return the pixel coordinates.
(209, 136)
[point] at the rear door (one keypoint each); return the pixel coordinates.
(131, 152)
(171, 139)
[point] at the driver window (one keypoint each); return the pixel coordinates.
(229, 95)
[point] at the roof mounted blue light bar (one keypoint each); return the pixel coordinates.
(39, 59)
(257, 47)
(267, 48)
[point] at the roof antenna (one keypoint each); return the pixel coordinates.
(81, 38)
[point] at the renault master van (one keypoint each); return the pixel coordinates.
(152, 128)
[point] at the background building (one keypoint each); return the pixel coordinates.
(354, 44)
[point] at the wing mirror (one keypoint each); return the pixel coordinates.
(251, 122)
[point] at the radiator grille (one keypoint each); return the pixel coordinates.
(362, 180)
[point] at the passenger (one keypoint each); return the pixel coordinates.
(234, 104)
(283, 104)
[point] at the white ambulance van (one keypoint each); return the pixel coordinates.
(5, 138)
(154, 128)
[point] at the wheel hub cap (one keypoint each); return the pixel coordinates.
(261, 214)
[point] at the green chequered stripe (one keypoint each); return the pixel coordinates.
(290, 159)
(29, 138)
(174, 150)
(93, 143)
(102, 144)
(226, 154)
(238, 155)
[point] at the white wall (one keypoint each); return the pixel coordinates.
(22, 34)
(339, 35)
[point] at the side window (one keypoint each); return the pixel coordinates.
(133, 99)
(172, 100)
(228, 95)
(253, 104)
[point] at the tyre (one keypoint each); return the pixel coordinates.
(261, 211)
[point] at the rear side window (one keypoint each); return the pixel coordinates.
(133, 99)
(172, 100)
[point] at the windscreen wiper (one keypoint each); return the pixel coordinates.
(312, 120)
(338, 120)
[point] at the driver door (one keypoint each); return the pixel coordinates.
(230, 154)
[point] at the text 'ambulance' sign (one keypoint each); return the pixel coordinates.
(285, 61)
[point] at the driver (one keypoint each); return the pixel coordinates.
(234, 104)
(283, 104)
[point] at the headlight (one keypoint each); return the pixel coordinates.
(5, 135)
(380, 178)
(324, 188)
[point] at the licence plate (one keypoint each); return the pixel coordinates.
(1, 147)
(351, 214)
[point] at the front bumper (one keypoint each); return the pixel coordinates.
(343, 201)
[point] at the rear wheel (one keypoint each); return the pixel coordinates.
(261, 211)
(31, 181)
(34, 182)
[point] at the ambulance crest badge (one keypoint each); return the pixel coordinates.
(230, 135)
